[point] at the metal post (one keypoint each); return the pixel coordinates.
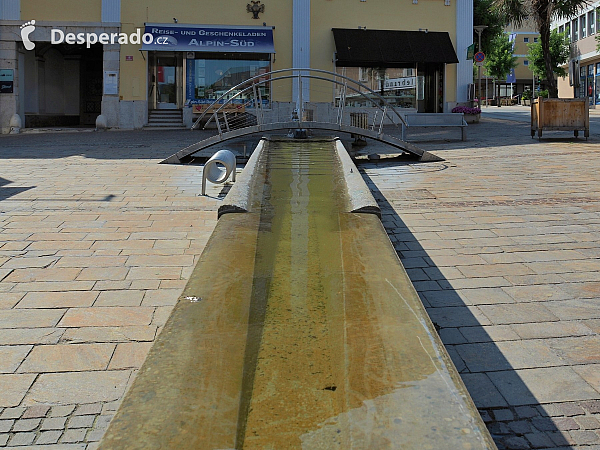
(479, 29)
(300, 101)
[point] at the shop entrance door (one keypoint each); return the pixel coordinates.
(166, 84)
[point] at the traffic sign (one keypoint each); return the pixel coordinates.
(479, 57)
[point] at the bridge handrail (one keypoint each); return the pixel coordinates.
(299, 70)
(314, 77)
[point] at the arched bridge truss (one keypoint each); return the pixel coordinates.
(243, 111)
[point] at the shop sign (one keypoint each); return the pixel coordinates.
(200, 38)
(400, 83)
(7, 77)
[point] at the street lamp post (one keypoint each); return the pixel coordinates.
(479, 29)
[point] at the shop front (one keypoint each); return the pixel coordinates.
(193, 65)
(406, 68)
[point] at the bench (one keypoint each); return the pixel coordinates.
(435, 120)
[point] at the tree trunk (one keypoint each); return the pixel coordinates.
(544, 23)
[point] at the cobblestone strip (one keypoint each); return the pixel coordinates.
(545, 426)
(63, 424)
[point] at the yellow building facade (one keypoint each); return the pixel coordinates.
(150, 56)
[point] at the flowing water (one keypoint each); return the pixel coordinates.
(303, 332)
(295, 358)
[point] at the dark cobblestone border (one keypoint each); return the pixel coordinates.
(55, 424)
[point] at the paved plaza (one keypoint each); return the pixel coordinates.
(501, 241)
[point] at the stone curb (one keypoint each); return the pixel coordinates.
(238, 198)
(360, 198)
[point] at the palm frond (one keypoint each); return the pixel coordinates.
(515, 11)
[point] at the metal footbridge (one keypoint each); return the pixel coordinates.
(243, 110)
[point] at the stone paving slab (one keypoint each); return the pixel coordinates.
(502, 242)
(503, 245)
(96, 243)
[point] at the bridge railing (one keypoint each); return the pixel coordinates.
(257, 110)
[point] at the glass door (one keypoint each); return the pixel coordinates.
(166, 82)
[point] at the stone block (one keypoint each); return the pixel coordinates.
(26, 424)
(61, 411)
(539, 440)
(584, 437)
(68, 358)
(36, 411)
(81, 421)
(563, 409)
(20, 439)
(78, 387)
(48, 437)
(83, 410)
(73, 436)
(54, 423)
(13, 388)
(6, 425)
(12, 413)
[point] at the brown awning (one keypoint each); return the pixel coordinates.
(391, 48)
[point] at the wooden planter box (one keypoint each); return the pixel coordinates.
(560, 114)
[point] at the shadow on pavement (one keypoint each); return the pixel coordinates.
(514, 417)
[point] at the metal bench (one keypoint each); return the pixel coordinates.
(435, 120)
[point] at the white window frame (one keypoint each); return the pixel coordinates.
(582, 27)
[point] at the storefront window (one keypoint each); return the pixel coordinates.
(590, 84)
(597, 83)
(399, 87)
(207, 79)
(582, 82)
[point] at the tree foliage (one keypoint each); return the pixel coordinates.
(500, 59)
(543, 12)
(559, 55)
(484, 14)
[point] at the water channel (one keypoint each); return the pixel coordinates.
(306, 333)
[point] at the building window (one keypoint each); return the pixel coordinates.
(363, 74)
(526, 63)
(574, 33)
(561, 29)
(525, 39)
(568, 29)
(591, 22)
(598, 18)
(597, 83)
(535, 40)
(582, 28)
(209, 78)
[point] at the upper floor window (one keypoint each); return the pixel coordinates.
(591, 19)
(525, 62)
(525, 39)
(561, 29)
(574, 28)
(568, 29)
(535, 39)
(582, 28)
